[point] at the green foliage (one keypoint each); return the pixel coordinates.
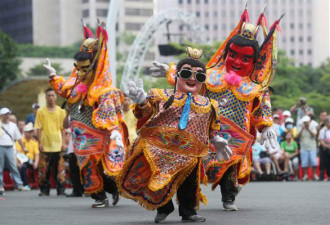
(29, 50)
(291, 83)
(39, 70)
(8, 61)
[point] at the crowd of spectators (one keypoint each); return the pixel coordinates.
(302, 143)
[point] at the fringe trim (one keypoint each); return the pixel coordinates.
(142, 202)
(217, 181)
(200, 197)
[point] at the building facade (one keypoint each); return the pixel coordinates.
(40, 22)
(305, 28)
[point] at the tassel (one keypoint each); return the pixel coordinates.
(245, 16)
(87, 32)
(262, 20)
(276, 25)
(105, 35)
(98, 31)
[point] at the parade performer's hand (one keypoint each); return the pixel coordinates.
(159, 69)
(268, 136)
(221, 145)
(135, 92)
(50, 70)
(115, 135)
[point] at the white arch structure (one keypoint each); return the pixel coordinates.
(141, 43)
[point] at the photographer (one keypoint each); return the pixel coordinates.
(302, 109)
(308, 147)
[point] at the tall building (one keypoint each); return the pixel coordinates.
(305, 27)
(40, 22)
(131, 17)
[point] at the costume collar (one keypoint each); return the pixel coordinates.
(245, 91)
(199, 103)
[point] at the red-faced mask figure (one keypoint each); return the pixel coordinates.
(240, 60)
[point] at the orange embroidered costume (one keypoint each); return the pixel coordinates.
(238, 78)
(175, 129)
(96, 114)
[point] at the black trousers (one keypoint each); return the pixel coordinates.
(23, 172)
(186, 194)
(109, 185)
(227, 185)
(324, 162)
(78, 188)
(51, 162)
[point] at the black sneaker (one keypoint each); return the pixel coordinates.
(161, 217)
(42, 194)
(101, 203)
(193, 218)
(115, 198)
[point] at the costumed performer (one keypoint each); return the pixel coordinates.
(98, 129)
(176, 127)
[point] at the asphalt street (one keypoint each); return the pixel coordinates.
(268, 203)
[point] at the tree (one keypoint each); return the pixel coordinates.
(39, 70)
(8, 62)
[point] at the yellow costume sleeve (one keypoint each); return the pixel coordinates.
(109, 112)
(171, 74)
(144, 113)
(57, 83)
(262, 113)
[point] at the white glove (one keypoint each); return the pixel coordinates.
(221, 145)
(159, 69)
(118, 139)
(50, 70)
(135, 91)
(268, 136)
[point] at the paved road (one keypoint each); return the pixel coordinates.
(271, 203)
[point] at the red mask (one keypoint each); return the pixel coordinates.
(239, 60)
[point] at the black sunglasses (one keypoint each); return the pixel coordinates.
(186, 74)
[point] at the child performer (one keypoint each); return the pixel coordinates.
(176, 127)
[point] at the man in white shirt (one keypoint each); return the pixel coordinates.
(308, 146)
(9, 133)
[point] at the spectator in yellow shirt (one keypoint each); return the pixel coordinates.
(32, 153)
(49, 125)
